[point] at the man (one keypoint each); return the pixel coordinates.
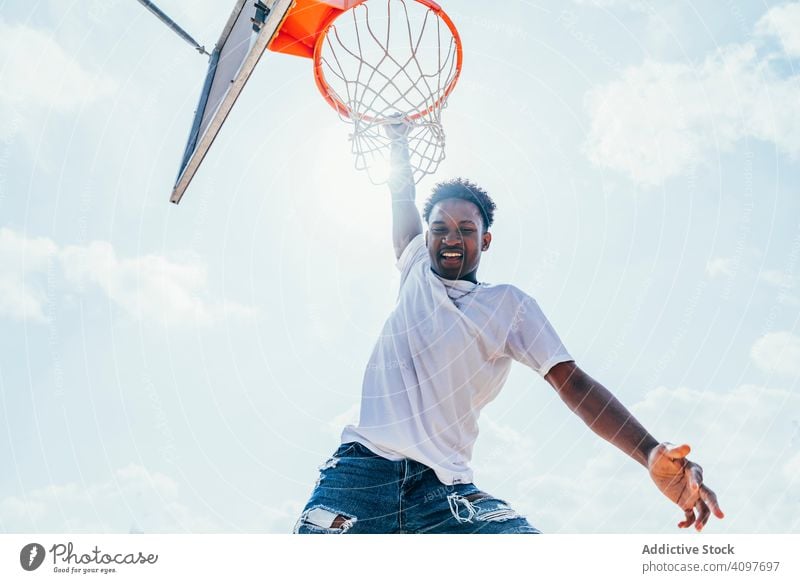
(444, 353)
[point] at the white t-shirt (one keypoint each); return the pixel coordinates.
(439, 361)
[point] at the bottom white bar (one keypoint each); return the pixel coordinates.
(387, 558)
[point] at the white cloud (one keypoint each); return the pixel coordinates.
(777, 352)
(742, 438)
(13, 510)
(132, 498)
(23, 261)
(661, 119)
(37, 71)
(779, 279)
(720, 266)
(281, 517)
(149, 287)
(783, 22)
(133, 476)
(786, 283)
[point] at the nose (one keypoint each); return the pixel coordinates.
(451, 238)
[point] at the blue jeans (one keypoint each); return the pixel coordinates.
(359, 492)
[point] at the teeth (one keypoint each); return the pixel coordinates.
(451, 254)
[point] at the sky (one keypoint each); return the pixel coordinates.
(187, 368)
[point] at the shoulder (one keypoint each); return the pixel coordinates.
(509, 294)
(510, 304)
(518, 307)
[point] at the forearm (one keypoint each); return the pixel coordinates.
(406, 223)
(607, 417)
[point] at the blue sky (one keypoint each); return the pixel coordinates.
(186, 368)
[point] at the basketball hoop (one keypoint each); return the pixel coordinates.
(379, 63)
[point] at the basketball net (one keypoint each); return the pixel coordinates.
(389, 62)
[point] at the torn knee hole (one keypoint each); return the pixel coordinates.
(477, 496)
(500, 514)
(480, 506)
(328, 519)
(330, 463)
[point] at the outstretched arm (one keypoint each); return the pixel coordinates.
(406, 223)
(679, 479)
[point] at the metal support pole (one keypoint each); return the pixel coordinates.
(173, 25)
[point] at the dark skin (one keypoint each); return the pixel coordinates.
(456, 238)
(456, 228)
(679, 479)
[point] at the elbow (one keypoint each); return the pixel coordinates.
(566, 377)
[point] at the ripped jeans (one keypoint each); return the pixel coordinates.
(359, 492)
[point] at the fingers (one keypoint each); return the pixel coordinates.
(705, 505)
(707, 495)
(397, 129)
(702, 515)
(678, 452)
(695, 475)
(689, 519)
(682, 481)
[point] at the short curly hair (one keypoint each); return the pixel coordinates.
(465, 190)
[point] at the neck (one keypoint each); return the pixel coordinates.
(471, 276)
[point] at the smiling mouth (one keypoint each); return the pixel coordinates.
(451, 255)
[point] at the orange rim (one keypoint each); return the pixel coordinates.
(340, 107)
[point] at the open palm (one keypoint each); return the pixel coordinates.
(681, 481)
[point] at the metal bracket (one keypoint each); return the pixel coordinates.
(262, 11)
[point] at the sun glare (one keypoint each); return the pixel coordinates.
(379, 170)
(346, 195)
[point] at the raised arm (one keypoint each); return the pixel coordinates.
(679, 479)
(406, 223)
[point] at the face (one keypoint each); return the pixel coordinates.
(456, 239)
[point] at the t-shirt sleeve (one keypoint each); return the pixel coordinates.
(531, 339)
(414, 252)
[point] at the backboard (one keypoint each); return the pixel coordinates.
(250, 28)
(394, 63)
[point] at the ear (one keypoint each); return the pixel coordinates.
(486, 240)
(426, 238)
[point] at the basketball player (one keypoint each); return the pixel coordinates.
(444, 353)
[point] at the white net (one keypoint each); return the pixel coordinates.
(390, 60)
